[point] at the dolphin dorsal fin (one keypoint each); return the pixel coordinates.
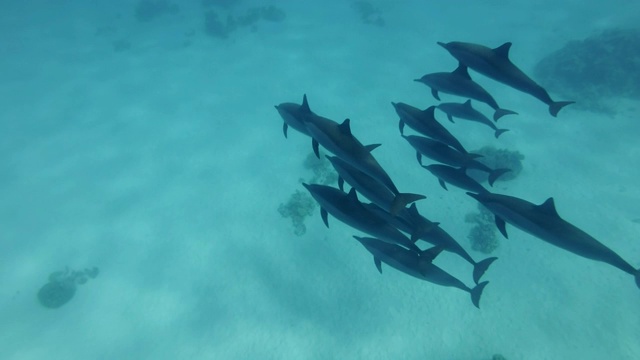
(305, 105)
(430, 111)
(345, 128)
(503, 50)
(467, 104)
(353, 195)
(549, 207)
(461, 70)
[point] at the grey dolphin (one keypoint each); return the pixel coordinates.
(371, 188)
(495, 64)
(458, 177)
(445, 154)
(458, 82)
(412, 222)
(543, 222)
(419, 265)
(349, 210)
(338, 139)
(424, 122)
(467, 112)
(293, 115)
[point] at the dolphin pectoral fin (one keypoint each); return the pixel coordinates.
(556, 106)
(502, 112)
(402, 200)
(315, 146)
(284, 129)
(481, 267)
(419, 157)
(434, 92)
(378, 264)
(502, 226)
(340, 183)
(495, 174)
(325, 217)
(500, 132)
(476, 293)
(450, 118)
(401, 127)
(443, 184)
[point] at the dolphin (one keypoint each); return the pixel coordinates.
(495, 64)
(543, 222)
(467, 112)
(371, 188)
(417, 264)
(458, 177)
(338, 139)
(424, 122)
(293, 115)
(412, 222)
(348, 209)
(445, 154)
(458, 82)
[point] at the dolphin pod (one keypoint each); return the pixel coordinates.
(392, 218)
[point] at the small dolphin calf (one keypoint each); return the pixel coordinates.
(458, 177)
(348, 209)
(417, 264)
(543, 222)
(458, 82)
(467, 112)
(495, 63)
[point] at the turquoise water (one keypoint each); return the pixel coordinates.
(150, 149)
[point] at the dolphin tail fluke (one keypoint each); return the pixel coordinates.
(481, 267)
(500, 132)
(495, 174)
(402, 200)
(556, 106)
(502, 112)
(476, 293)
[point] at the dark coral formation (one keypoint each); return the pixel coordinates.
(483, 235)
(498, 159)
(300, 204)
(298, 208)
(147, 10)
(62, 286)
(369, 14)
(221, 26)
(595, 70)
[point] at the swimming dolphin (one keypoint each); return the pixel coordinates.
(410, 221)
(348, 209)
(371, 188)
(293, 115)
(467, 112)
(424, 122)
(458, 177)
(495, 64)
(417, 264)
(445, 154)
(543, 222)
(458, 82)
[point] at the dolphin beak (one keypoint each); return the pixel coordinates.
(442, 44)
